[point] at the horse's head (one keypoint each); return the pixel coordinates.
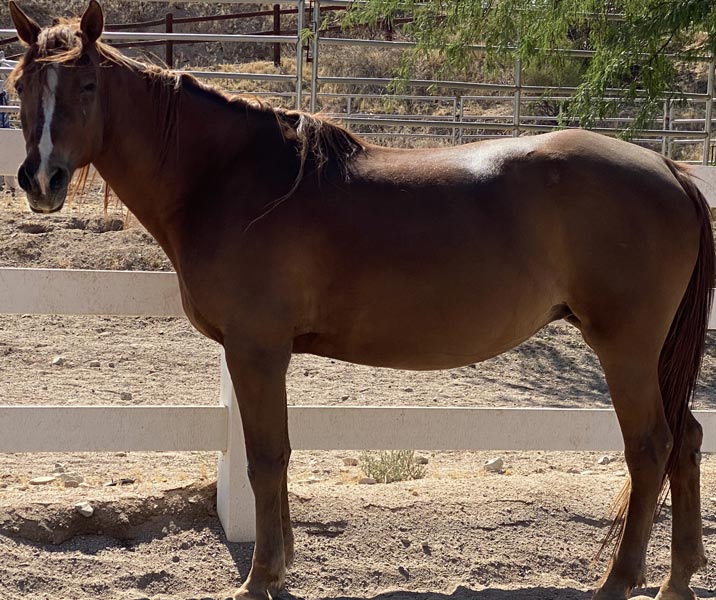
(57, 82)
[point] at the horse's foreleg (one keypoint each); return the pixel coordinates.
(687, 548)
(634, 387)
(259, 379)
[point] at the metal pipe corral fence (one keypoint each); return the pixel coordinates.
(464, 115)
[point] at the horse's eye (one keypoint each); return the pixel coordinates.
(89, 87)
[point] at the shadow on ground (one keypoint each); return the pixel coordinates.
(531, 593)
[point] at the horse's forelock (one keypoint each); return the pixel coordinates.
(60, 42)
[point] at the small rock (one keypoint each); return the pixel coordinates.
(604, 460)
(404, 572)
(58, 361)
(94, 364)
(3, 485)
(84, 485)
(175, 559)
(59, 468)
(572, 470)
(84, 508)
(494, 465)
(350, 462)
(406, 542)
(367, 481)
(620, 473)
(42, 480)
(111, 365)
(65, 477)
(125, 396)
(344, 398)
(426, 548)
(71, 483)
(421, 460)
(408, 389)
(120, 454)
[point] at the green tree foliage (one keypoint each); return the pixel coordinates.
(634, 42)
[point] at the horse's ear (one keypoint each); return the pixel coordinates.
(27, 28)
(92, 22)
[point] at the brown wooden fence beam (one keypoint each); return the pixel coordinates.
(277, 31)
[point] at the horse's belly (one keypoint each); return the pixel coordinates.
(412, 335)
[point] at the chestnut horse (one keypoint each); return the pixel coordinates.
(291, 235)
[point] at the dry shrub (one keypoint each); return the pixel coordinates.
(390, 466)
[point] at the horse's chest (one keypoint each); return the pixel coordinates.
(198, 317)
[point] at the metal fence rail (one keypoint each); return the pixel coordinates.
(466, 120)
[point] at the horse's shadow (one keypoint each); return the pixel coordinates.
(464, 593)
(241, 554)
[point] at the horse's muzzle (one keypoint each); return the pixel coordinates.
(46, 192)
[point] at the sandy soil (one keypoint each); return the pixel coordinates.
(460, 533)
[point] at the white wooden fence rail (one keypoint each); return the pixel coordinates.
(218, 428)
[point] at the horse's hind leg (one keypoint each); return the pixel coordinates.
(630, 364)
(687, 549)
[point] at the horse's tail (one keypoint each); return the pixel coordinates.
(680, 359)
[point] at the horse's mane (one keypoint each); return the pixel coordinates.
(319, 142)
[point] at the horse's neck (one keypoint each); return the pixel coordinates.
(163, 170)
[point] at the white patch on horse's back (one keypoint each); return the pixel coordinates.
(48, 111)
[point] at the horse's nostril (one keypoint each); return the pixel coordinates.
(58, 180)
(24, 179)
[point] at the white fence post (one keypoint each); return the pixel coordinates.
(234, 496)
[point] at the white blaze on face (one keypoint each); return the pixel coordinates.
(48, 110)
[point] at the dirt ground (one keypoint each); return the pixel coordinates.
(460, 533)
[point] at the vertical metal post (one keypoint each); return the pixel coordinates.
(169, 27)
(315, 27)
(665, 127)
(709, 111)
(670, 145)
(518, 98)
(462, 116)
(277, 31)
(299, 53)
(454, 120)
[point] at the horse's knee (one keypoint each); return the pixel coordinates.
(267, 468)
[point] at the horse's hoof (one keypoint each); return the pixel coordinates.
(247, 595)
(243, 593)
